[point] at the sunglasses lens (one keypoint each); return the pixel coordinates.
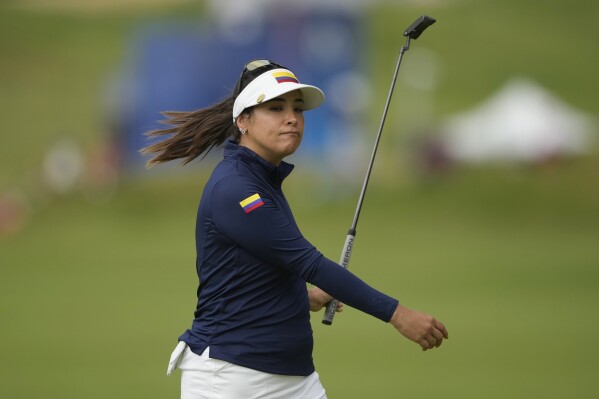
(252, 70)
(255, 64)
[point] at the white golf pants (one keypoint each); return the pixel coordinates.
(206, 378)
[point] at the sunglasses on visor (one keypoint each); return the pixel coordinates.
(253, 69)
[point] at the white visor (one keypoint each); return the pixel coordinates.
(272, 84)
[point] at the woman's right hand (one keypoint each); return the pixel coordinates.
(419, 327)
(319, 299)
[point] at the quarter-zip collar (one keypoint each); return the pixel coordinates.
(275, 174)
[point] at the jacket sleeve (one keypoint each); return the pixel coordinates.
(268, 232)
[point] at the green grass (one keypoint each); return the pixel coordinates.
(94, 294)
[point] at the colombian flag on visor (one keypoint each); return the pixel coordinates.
(252, 202)
(285, 77)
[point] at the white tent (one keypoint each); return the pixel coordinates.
(521, 122)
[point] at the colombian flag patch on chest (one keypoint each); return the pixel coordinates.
(252, 202)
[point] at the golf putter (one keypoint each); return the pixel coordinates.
(412, 32)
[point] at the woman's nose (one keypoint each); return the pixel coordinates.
(291, 119)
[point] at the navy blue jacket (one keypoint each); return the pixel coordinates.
(253, 264)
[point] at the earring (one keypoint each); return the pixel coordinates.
(242, 131)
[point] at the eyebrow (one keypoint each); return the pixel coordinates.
(282, 100)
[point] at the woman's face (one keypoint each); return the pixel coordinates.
(275, 128)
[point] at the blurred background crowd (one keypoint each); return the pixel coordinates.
(524, 107)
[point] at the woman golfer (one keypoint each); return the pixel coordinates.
(251, 335)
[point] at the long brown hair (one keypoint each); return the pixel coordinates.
(197, 132)
(192, 133)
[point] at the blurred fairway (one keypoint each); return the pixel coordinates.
(94, 295)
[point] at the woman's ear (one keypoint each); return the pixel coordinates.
(242, 121)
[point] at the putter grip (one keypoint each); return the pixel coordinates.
(331, 308)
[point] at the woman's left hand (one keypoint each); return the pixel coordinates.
(319, 299)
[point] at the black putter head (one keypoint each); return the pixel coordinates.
(418, 26)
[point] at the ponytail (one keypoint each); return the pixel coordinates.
(193, 133)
